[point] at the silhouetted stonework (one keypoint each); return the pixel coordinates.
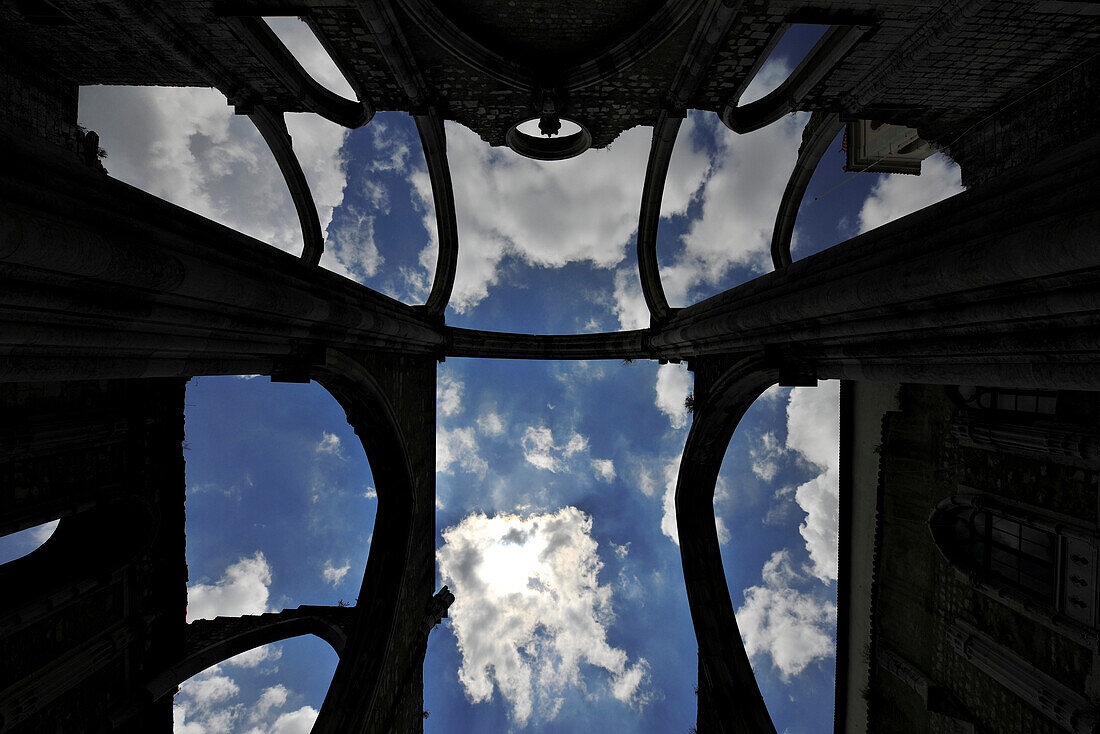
(1054, 117)
(922, 64)
(39, 102)
(100, 606)
(102, 281)
(918, 595)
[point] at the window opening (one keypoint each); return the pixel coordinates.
(1020, 558)
(1040, 402)
(24, 542)
(308, 50)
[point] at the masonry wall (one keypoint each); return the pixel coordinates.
(101, 605)
(917, 594)
(38, 103)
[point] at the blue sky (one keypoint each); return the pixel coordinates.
(554, 480)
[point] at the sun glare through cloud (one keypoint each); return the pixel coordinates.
(530, 609)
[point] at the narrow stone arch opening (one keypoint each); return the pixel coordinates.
(309, 50)
(21, 543)
(787, 48)
(274, 687)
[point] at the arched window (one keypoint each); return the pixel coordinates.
(1042, 566)
(1019, 555)
(1040, 402)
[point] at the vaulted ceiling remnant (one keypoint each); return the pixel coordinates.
(110, 294)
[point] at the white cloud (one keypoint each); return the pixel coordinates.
(254, 657)
(897, 194)
(448, 395)
(765, 455)
(572, 374)
(42, 533)
(668, 501)
(600, 190)
(330, 444)
(628, 303)
(334, 574)
(490, 423)
(211, 688)
(458, 448)
(273, 697)
(673, 385)
(243, 589)
(206, 704)
(529, 610)
(739, 188)
(391, 147)
(792, 627)
(295, 722)
(604, 468)
(187, 146)
(813, 429)
(204, 699)
(350, 248)
(540, 450)
(643, 476)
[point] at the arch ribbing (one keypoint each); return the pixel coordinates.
(660, 154)
(465, 47)
(710, 32)
(272, 127)
(817, 136)
(725, 670)
(211, 641)
(433, 138)
(663, 22)
(269, 49)
(380, 18)
(817, 64)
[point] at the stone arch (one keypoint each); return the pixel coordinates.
(272, 127)
(818, 63)
(729, 697)
(387, 399)
(212, 641)
(819, 133)
(433, 140)
(258, 37)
